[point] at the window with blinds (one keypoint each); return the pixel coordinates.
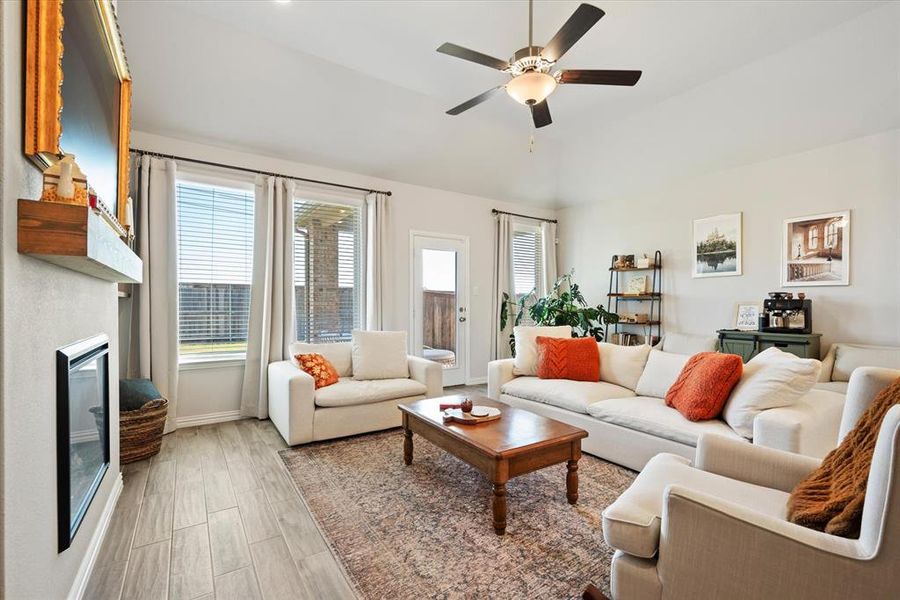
(327, 270)
(527, 260)
(215, 264)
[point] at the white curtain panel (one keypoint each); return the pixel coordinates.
(154, 323)
(271, 327)
(502, 283)
(548, 242)
(377, 239)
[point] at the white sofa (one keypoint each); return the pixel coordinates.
(718, 528)
(842, 359)
(304, 414)
(628, 421)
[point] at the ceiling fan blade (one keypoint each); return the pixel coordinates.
(584, 17)
(540, 112)
(473, 56)
(599, 77)
(474, 101)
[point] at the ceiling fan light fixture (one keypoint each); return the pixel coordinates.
(532, 87)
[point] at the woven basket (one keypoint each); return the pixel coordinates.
(141, 431)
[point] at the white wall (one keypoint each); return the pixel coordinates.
(413, 207)
(862, 175)
(43, 307)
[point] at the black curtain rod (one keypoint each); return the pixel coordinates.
(257, 171)
(503, 212)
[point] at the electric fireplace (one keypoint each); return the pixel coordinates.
(82, 430)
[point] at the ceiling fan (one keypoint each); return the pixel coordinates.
(530, 67)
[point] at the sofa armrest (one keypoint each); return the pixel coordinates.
(809, 426)
(754, 464)
(499, 373)
(865, 384)
(291, 402)
(429, 373)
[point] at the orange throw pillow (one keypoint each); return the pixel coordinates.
(577, 359)
(319, 368)
(702, 388)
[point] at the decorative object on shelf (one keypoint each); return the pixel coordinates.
(782, 313)
(465, 405)
(564, 305)
(815, 250)
(623, 261)
(747, 317)
(642, 288)
(643, 262)
(78, 101)
(637, 285)
(65, 183)
(717, 246)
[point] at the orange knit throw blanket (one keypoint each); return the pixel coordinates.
(831, 498)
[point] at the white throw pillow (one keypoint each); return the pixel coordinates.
(526, 345)
(337, 353)
(662, 370)
(379, 355)
(622, 365)
(771, 379)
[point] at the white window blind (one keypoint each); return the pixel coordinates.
(215, 262)
(527, 259)
(327, 270)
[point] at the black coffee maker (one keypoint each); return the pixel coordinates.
(782, 313)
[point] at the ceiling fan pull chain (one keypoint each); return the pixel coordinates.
(531, 143)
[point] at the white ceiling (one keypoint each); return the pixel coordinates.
(358, 85)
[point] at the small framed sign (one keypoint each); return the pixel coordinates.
(747, 317)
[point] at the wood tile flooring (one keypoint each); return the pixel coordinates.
(215, 515)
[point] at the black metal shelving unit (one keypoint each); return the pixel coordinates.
(654, 297)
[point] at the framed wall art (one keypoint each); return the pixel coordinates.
(717, 246)
(815, 250)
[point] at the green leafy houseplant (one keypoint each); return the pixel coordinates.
(564, 305)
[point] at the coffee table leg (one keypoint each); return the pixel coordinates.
(499, 507)
(572, 481)
(407, 446)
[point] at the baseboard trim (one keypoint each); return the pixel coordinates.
(476, 380)
(76, 592)
(209, 418)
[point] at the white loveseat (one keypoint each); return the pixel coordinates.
(842, 359)
(302, 414)
(627, 418)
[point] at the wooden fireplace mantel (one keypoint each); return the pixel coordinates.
(76, 238)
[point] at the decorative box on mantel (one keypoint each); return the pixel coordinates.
(76, 238)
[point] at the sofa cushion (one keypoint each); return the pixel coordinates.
(703, 386)
(350, 392)
(771, 379)
(651, 415)
(526, 345)
(848, 357)
(684, 343)
(338, 354)
(622, 365)
(839, 387)
(576, 359)
(632, 523)
(662, 369)
(379, 354)
(571, 395)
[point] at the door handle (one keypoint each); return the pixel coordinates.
(462, 319)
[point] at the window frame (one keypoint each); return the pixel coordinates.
(209, 178)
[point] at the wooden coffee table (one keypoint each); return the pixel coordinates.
(518, 442)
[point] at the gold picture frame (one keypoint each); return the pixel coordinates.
(43, 86)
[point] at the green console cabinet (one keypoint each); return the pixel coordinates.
(748, 344)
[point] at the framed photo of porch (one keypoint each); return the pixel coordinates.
(815, 250)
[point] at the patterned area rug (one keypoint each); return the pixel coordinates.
(425, 530)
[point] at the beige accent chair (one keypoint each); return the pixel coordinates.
(718, 529)
(842, 359)
(302, 414)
